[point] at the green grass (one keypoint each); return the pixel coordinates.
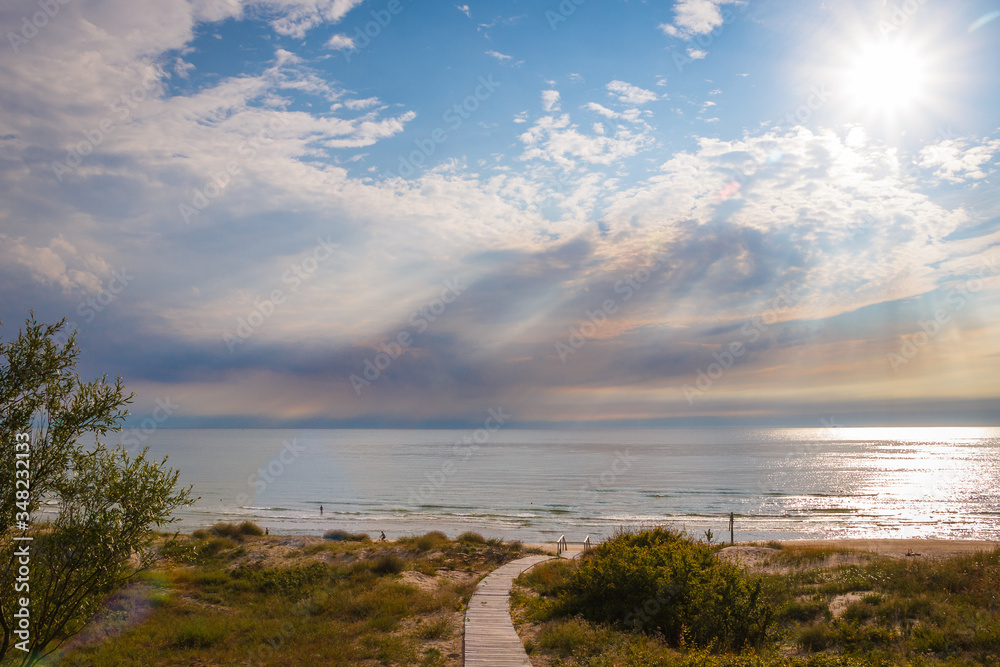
(344, 604)
(905, 612)
(344, 536)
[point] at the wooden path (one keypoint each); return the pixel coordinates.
(490, 638)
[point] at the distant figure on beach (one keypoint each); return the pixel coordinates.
(382, 537)
(267, 531)
(321, 510)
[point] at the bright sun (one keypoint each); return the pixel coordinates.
(886, 78)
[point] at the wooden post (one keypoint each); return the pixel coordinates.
(731, 539)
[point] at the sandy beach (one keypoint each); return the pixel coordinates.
(926, 548)
(894, 548)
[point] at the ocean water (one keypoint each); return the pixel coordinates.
(535, 485)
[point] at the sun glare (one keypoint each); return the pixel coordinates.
(886, 77)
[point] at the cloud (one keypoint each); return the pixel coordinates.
(57, 263)
(604, 111)
(465, 10)
(540, 236)
(626, 93)
(300, 16)
(881, 239)
(339, 42)
(696, 17)
(361, 104)
(696, 54)
(957, 161)
(499, 56)
(558, 140)
(550, 100)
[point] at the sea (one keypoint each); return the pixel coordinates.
(539, 485)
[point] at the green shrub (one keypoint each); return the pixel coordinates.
(471, 538)
(573, 637)
(236, 531)
(180, 551)
(549, 578)
(432, 540)
(663, 581)
(293, 583)
(388, 564)
(344, 536)
(804, 611)
(437, 628)
(213, 546)
(197, 633)
(818, 637)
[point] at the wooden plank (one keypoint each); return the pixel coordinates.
(490, 638)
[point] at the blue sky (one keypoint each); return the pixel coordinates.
(368, 213)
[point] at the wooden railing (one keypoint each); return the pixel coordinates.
(562, 545)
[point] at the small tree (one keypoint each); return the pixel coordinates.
(104, 503)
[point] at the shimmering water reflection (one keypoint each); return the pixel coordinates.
(537, 484)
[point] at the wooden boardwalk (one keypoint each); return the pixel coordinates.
(490, 638)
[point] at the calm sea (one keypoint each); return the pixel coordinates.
(535, 485)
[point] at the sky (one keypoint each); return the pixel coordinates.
(385, 213)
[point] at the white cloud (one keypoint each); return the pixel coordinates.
(604, 111)
(339, 42)
(696, 17)
(557, 140)
(696, 54)
(361, 104)
(58, 263)
(299, 16)
(550, 100)
(956, 161)
(465, 10)
(629, 94)
(499, 56)
(862, 231)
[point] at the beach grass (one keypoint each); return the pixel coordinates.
(831, 606)
(229, 596)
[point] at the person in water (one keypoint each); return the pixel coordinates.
(321, 510)
(382, 538)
